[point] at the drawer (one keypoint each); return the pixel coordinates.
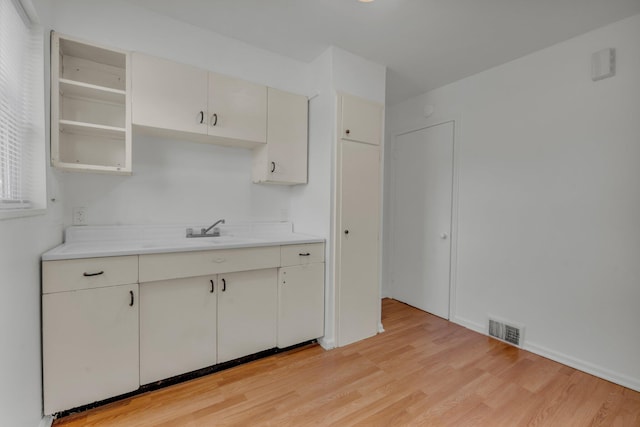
(88, 273)
(302, 254)
(190, 264)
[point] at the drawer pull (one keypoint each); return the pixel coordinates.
(212, 286)
(306, 254)
(131, 301)
(85, 274)
(224, 285)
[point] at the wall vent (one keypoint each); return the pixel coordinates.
(508, 332)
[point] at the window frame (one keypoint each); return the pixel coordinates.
(33, 166)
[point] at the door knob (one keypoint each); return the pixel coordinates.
(444, 236)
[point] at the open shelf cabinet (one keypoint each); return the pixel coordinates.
(90, 107)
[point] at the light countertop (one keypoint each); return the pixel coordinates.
(106, 241)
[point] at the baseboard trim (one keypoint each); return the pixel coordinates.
(46, 421)
(581, 365)
(326, 344)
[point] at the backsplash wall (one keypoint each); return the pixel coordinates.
(175, 181)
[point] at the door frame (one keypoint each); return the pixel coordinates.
(453, 263)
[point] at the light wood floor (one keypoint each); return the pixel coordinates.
(422, 371)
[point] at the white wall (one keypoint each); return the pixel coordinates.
(22, 241)
(177, 181)
(549, 165)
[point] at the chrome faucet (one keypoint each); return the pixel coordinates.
(204, 231)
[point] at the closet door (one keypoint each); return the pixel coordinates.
(358, 242)
(421, 230)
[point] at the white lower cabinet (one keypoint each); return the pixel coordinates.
(177, 327)
(103, 337)
(247, 313)
(90, 345)
(300, 303)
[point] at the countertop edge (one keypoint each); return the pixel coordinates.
(54, 255)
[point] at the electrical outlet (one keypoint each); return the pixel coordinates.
(79, 215)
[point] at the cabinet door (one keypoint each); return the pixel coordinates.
(361, 120)
(237, 109)
(284, 159)
(177, 327)
(358, 251)
(89, 346)
(300, 303)
(247, 313)
(168, 95)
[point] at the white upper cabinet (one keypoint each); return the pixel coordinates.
(178, 99)
(237, 109)
(90, 102)
(169, 95)
(283, 160)
(361, 120)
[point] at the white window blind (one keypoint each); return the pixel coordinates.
(22, 184)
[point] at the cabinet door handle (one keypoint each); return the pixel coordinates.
(201, 117)
(346, 231)
(212, 286)
(132, 299)
(224, 285)
(214, 119)
(307, 254)
(273, 167)
(347, 131)
(85, 274)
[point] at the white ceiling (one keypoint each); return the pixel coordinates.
(424, 43)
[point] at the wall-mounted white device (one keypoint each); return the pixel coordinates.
(603, 64)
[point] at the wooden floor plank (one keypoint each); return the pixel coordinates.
(422, 371)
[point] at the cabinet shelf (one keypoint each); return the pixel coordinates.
(90, 107)
(72, 88)
(70, 126)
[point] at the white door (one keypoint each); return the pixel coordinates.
(300, 303)
(423, 184)
(358, 225)
(286, 160)
(90, 345)
(361, 120)
(237, 109)
(247, 313)
(177, 326)
(168, 95)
